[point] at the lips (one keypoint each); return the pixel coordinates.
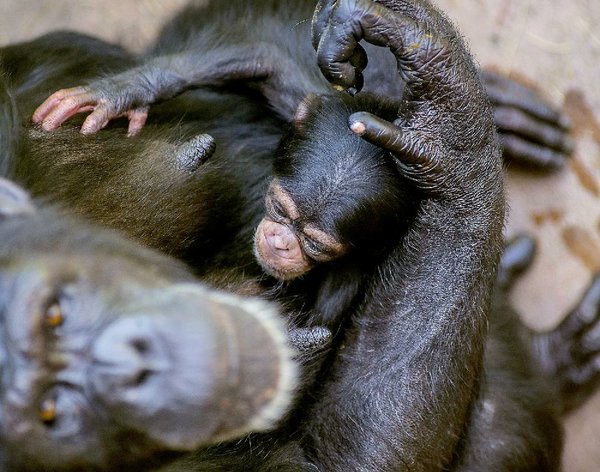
(278, 251)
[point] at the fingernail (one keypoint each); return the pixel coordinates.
(352, 91)
(358, 128)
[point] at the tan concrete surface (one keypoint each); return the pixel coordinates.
(553, 43)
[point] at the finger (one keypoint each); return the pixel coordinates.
(423, 56)
(586, 312)
(530, 154)
(590, 342)
(347, 23)
(508, 92)
(520, 123)
(65, 109)
(307, 340)
(333, 56)
(137, 120)
(584, 374)
(517, 256)
(320, 19)
(195, 152)
(388, 136)
(96, 121)
(52, 101)
(359, 61)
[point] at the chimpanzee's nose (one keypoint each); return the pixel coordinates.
(280, 240)
(126, 354)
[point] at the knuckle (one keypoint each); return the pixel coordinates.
(59, 95)
(70, 102)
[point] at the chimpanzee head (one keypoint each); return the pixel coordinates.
(111, 354)
(333, 194)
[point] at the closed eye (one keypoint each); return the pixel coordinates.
(321, 246)
(312, 247)
(316, 250)
(275, 210)
(278, 209)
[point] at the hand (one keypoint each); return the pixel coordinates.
(532, 133)
(569, 355)
(445, 129)
(107, 99)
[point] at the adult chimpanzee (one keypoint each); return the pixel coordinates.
(388, 324)
(113, 354)
(106, 341)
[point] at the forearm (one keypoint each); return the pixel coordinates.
(406, 375)
(266, 67)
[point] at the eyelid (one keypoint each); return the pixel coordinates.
(276, 210)
(311, 246)
(284, 200)
(316, 250)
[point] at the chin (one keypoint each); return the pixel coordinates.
(275, 270)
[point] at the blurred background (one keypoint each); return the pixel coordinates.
(550, 43)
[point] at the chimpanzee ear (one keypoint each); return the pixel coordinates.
(308, 103)
(14, 201)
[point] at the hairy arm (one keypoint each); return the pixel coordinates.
(131, 93)
(405, 378)
(258, 44)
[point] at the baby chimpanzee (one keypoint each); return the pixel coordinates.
(332, 198)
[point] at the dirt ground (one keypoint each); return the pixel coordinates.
(553, 43)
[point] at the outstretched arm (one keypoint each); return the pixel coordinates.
(131, 93)
(406, 375)
(258, 43)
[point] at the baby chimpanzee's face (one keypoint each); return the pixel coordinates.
(333, 194)
(289, 245)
